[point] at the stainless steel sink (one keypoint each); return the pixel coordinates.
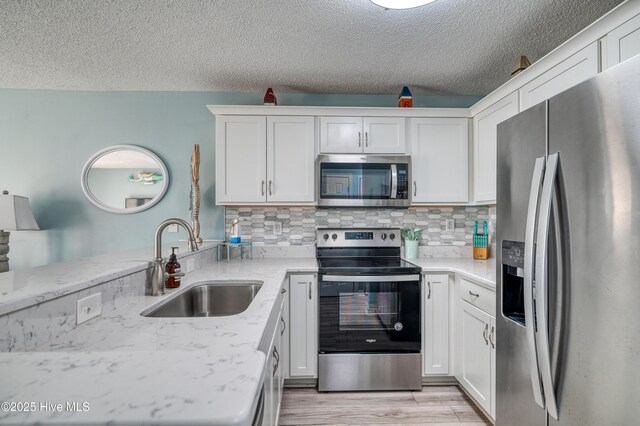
(208, 299)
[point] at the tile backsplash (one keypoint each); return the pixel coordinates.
(299, 223)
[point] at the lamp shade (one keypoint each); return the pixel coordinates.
(16, 214)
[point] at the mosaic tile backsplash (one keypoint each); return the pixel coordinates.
(299, 223)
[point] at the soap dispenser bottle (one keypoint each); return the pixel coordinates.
(172, 267)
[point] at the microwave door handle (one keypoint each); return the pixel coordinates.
(529, 253)
(394, 181)
(542, 285)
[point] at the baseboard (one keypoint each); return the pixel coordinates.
(487, 415)
(301, 383)
(438, 380)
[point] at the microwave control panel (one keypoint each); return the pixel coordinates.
(403, 183)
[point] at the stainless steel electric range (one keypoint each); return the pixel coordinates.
(369, 312)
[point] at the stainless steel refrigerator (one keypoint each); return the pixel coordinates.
(568, 257)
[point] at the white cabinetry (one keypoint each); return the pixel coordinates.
(485, 138)
(575, 69)
(475, 354)
(241, 159)
(274, 377)
(356, 135)
(623, 42)
(435, 326)
(303, 327)
(475, 343)
(264, 159)
(290, 159)
(440, 160)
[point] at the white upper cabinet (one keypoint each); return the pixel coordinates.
(485, 138)
(290, 159)
(340, 135)
(624, 42)
(241, 159)
(356, 135)
(265, 159)
(440, 160)
(384, 135)
(575, 69)
(436, 325)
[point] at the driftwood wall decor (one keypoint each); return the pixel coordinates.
(195, 192)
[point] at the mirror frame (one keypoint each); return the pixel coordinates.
(84, 179)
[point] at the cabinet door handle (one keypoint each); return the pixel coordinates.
(484, 334)
(283, 291)
(359, 139)
(310, 290)
(415, 188)
(262, 188)
(284, 326)
(366, 138)
(492, 337)
(472, 294)
(276, 357)
(429, 288)
(270, 187)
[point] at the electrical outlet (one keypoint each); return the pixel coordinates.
(450, 225)
(89, 307)
(191, 265)
(277, 228)
(172, 228)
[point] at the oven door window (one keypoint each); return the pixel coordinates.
(355, 181)
(369, 317)
(368, 310)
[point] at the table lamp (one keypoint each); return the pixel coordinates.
(15, 215)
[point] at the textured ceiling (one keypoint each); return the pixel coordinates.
(315, 46)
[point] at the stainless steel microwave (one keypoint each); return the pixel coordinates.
(356, 180)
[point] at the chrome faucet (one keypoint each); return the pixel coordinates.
(155, 285)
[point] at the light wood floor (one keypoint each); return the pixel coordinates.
(434, 406)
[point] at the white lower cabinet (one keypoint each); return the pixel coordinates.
(475, 347)
(436, 325)
(274, 377)
(303, 326)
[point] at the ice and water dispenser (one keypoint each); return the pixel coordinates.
(513, 281)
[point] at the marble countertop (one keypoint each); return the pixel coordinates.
(481, 271)
(160, 388)
(166, 370)
(214, 360)
(23, 288)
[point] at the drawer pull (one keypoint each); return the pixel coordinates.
(473, 294)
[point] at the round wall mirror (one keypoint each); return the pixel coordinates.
(125, 179)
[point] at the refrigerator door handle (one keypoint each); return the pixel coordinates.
(529, 253)
(541, 285)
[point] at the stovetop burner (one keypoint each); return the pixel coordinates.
(372, 251)
(367, 265)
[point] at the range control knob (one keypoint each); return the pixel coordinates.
(334, 237)
(326, 237)
(392, 236)
(383, 236)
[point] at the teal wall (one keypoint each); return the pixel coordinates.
(47, 136)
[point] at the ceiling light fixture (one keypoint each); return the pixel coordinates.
(401, 4)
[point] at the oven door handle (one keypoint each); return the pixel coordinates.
(370, 278)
